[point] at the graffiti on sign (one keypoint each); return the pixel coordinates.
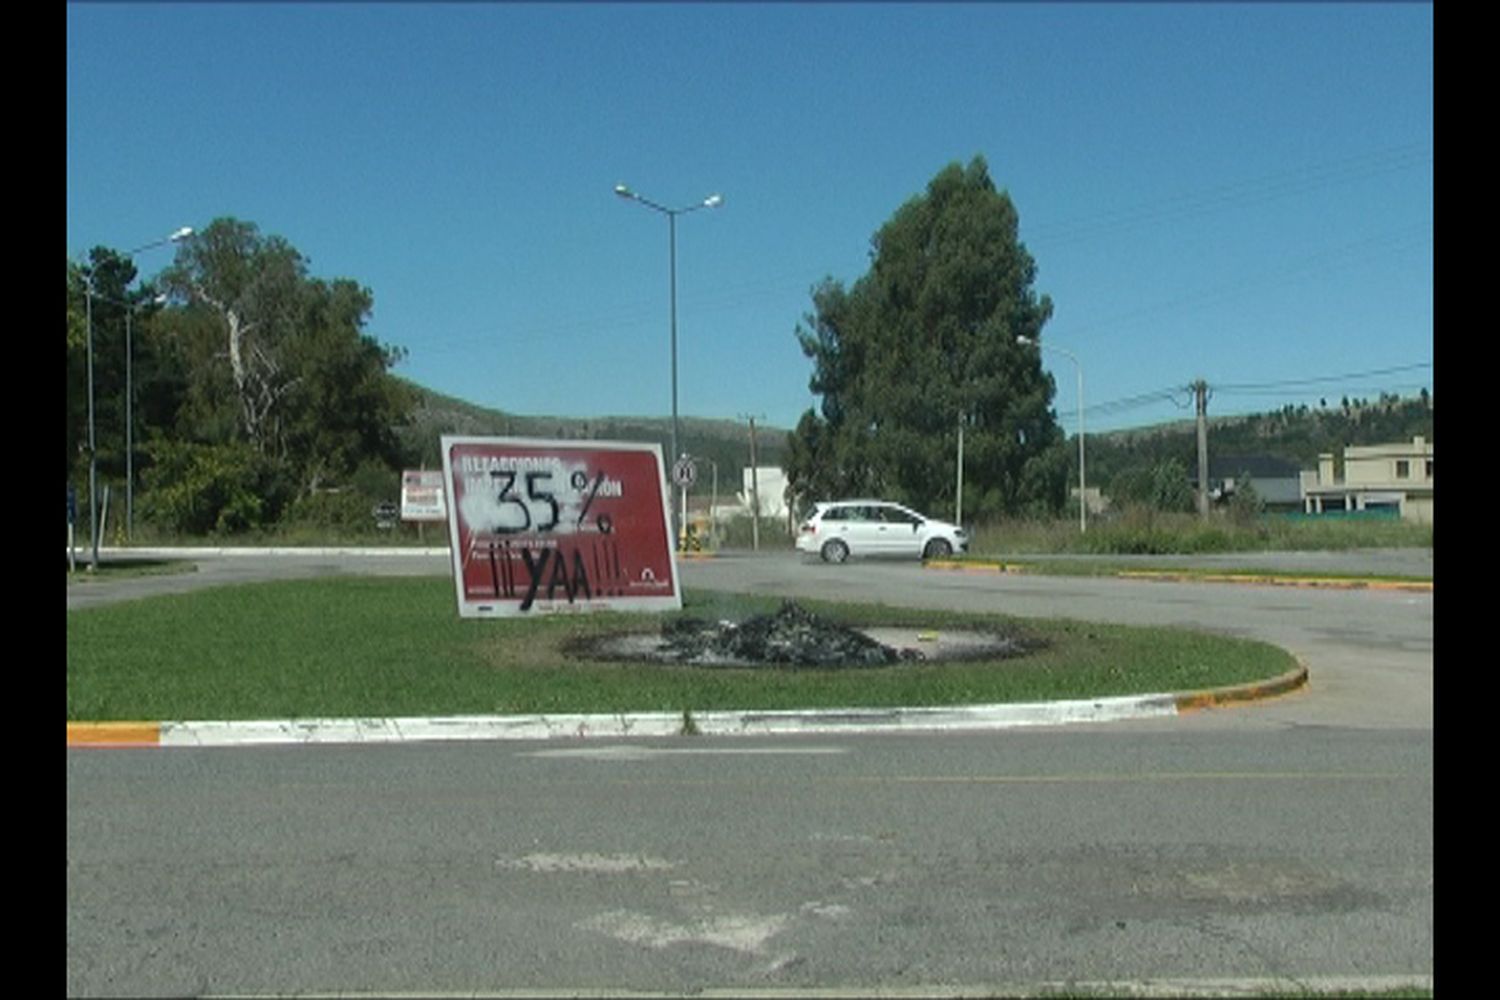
(547, 526)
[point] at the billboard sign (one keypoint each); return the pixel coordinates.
(422, 496)
(539, 526)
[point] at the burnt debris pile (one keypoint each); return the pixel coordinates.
(792, 636)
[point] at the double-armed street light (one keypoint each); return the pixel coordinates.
(94, 525)
(1083, 523)
(712, 201)
(131, 308)
(130, 311)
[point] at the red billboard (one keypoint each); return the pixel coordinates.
(538, 526)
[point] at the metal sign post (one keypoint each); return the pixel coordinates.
(684, 474)
(72, 517)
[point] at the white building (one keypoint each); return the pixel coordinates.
(1396, 477)
(767, 483)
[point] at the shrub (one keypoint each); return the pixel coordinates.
(203, 489)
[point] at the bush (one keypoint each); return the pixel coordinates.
(337, 512)
(201, 489)
(739, 533)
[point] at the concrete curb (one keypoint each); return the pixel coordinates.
(1234, 694)
(955, 718)
(965, 566)
(961, 718)
(1175, 576)
(1272, 580)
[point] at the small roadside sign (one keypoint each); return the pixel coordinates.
(684, 472)
(422, 496)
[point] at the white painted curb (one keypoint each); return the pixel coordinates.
(187, 552)
(660, 724)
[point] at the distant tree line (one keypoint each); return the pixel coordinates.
(1154, 467)
(260, 400)
(258, 396)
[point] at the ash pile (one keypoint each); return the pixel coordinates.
(793, 636)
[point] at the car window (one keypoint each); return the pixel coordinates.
(835, 514)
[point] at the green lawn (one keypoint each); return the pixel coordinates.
(387, 647)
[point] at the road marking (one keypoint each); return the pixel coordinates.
(607, 864)
(636, 781)
(626, 752)
(738, 932)
(1258, 986)
(1102, 777)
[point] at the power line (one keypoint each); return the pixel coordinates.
(1321, 380)
(1180, 396)
(1238, 194)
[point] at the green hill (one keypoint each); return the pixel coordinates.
(1297, 434)
(1294, 433)
(725, 443)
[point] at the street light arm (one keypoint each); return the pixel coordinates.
(176, 237)
(1078, 367)
(712, 201)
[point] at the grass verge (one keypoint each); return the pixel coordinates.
(1143, 532)
(345, 647)
(1042, 566)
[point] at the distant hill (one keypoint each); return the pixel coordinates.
(1296, 434)
(722, 442)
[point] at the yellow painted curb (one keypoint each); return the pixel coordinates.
(1193, 701)
(114, 734)
(1333, 583)
(971, 567)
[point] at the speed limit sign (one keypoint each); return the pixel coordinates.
(684, 472)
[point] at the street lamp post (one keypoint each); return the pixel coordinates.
(712, 201)
(130, 419)
(88, 312)
(1083, 523)
(88, 291)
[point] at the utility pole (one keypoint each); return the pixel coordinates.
(958, 490)
(1200, 388)
(754, 492)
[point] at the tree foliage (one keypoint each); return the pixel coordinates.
(926, 340)
(255, 286)
(104, 312)
(1163, 486)
(257, 385)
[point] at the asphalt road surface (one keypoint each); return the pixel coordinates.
(1283, 844)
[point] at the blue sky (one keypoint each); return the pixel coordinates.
(1237, 193)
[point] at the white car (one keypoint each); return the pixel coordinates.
(836, 531)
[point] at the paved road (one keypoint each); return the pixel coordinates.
(1369, 652)
(1286, 843)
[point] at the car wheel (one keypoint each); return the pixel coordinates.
(938, 548)
(835, 551)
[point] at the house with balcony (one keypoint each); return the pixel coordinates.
(1391, 478)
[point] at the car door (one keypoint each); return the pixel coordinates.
(861, 530)
(902, 532)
